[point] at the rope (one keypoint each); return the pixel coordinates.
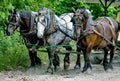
(63, 52)
(52, 46)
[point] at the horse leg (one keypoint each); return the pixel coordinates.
(31, 55)
(37, 59)
(78, 63)
(67, 58)
(56, 61)
(112, 52)
(50, 68)
(34, 59)
(105, 61)
(87, 61)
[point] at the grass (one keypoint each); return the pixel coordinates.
(13, 58)
(13, 53)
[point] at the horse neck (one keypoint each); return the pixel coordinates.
(89, 22)
(24, 21)
(51, 25)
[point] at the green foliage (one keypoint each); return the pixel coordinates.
(97, 10)
(12, 52)
(112, 11)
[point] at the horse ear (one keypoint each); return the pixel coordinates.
(85, 13)
(11, 11)
(15, 10)
(73, 9)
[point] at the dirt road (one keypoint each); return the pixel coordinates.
(39, 74)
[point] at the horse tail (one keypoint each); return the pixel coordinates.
(119, 26)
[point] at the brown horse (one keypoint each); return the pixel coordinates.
(99, 34)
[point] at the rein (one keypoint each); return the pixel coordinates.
(66, 34)
(67, 29)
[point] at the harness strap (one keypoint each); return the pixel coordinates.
(102, 37)
(66, 34)
(110, 22)
(65, 24)
(85, 34)
(112, 28)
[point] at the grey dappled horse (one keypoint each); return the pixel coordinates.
(55, 30)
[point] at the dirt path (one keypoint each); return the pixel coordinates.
(39, 74)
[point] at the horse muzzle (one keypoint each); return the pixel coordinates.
(39, 35)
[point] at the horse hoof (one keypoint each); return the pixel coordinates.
(66, 66)
(86, 67)
(77, 67)
(56, 68)
(110, 66)
(106, 66)
(50, 70)
(38, 61)
(83, 71)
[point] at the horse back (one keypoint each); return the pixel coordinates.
(108, 27)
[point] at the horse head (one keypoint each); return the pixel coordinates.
(14, 20)
(80, 20)
(22, 19)
(45, 22)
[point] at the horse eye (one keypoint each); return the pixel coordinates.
(39, 13)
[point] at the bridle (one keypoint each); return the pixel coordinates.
(18, 19)
(14, 21)
(79, 23)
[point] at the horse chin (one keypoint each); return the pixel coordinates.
(39, 35)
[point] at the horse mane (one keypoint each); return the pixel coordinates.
(88, 16)
(28, 15)
(51, 20)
